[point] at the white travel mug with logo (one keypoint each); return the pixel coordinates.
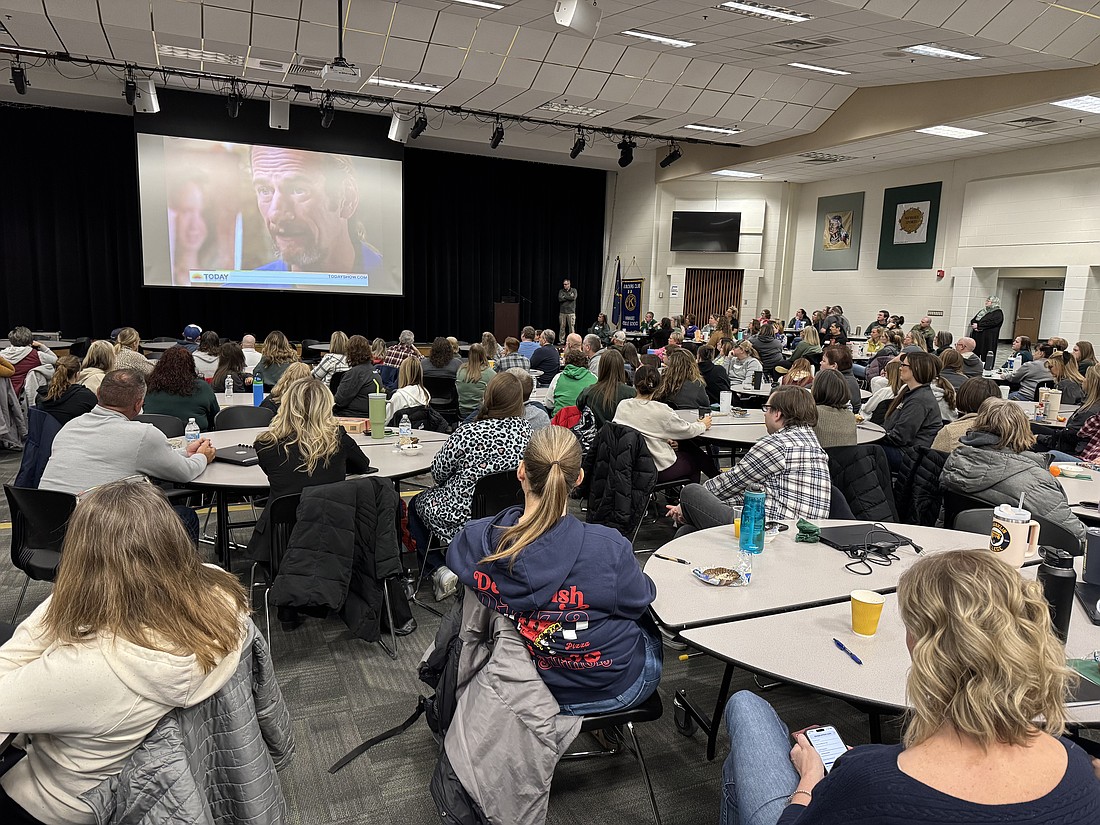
(1054, 401)
(725, 401)
(1015, 536)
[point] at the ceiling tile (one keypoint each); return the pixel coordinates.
(482, 66)
(737, 107)
(531, 44)
(518, 72)
(586, 85)
(729, 78)
(650, 93)
(412, 22)
(494, 37)
(407, 55)
(454, 30)
(709, 103)
(669, 67)
(636, 61)
(362, 48)
(370, 15)
(274, 32)
(1013, 19)
(620, 89)
(602, 57)
(444, 60)
(172, 17)
(552, 78)
(567, 50)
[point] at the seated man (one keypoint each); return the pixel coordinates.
(391, 361)
(251, 356)
(573, 341)
(191, 335)
(107, 444)
(591, 347)
(972, 364)
(546, 357)
(527, 342)
(512, 358)
(788, 463)
(25, 354)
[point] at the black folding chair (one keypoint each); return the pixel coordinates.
(39, 520)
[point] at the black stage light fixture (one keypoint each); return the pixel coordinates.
(328, 112)
(674, 154)
(129, 88)
(233, 101)
(19, 78)
(419, 125)
(578, 145)
(498, 135)
(626, 152)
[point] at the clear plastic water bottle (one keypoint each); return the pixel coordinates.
(743, 566)
(257, 387)
(191, 431)
(752, 521)
(228, 389)
(404, 428)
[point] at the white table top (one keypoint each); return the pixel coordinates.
(808, 657)
(751, 428)
(786, 576)
(766, 390)
(159, 346)
(240, 399)
(381, 454)
(53, 345)
(1081, 489)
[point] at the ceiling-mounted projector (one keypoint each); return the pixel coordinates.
(340, 71)
(580, 15)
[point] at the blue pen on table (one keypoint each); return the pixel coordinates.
(851, 655)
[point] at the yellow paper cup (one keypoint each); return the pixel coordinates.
(866, 610)
(737, 528)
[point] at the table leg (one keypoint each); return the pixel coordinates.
(221, 541)
(709, 724)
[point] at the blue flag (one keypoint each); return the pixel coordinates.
(616, 306)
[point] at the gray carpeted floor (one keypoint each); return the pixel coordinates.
(341, 690)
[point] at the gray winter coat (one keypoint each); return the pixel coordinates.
(211, 764)
(978, 469)
(504, 710)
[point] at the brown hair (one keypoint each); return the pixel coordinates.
(410, 373)
(647, 379)
(831, 390)
(576, 358)
(951, 360)
(924, 369)
(65, 371)
(129, 569)
(796, 405)
(277, 349)
(840, 357)
(475, 365)
(612, 375)
(973, 392)
(503, 398)
(680, 369)
(230, 362)
(359, 351)
(511, 344)
(442, 353)
(338, 343)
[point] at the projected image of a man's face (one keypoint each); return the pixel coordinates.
(306, 209)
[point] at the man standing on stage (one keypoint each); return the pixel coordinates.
(567, 308)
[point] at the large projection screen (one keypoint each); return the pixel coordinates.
(218, 215)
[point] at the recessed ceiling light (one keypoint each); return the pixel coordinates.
(951, 132)
(761, 10)
(1085, 103)
(403, 84)
(660, 38)
(566, 109)
(932, 50)
(480, 3)
(716, 130)
(811, 68)
(736, 173)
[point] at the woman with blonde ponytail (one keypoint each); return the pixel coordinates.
(574, 589)
(128, 352)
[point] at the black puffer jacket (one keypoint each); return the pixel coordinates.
(918, 487)
(344, 545)
(862, 473)
(619, 474)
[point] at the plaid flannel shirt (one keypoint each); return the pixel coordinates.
(513, 360)
(791, 467)
(398, 353)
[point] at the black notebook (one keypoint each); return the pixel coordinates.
(242, 454)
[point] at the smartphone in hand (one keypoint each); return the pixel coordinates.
(827, 743)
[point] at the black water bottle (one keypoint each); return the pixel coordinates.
(989, 359)
(1057, 576)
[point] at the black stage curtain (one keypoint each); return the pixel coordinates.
(476, 228)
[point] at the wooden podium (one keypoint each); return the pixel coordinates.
(505, 320)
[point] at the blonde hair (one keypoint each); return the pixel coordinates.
(338, 343)
(1063, 366)
(552, 466)
(476, 364)
(893, 375)
(746, 348)
(127, 338)
(411, 373)
(1092, 386)
(378, 349)
(985, 660)
(100, 355)
(305, 418)
(1006, 420)
(294, 372)
(810, 336)
(277, 349)
(129, 569)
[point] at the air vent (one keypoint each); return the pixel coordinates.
(300, 70)
(824, 157)
(199, 55)
(643, 120)
(268, 65)
(1026, 122)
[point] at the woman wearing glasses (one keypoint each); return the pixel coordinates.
(914, 417)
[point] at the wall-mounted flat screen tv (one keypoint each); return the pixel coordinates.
(706, 231)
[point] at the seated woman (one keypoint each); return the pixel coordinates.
(969, 400)
(987, 689)
(232, 369)
(1021, 347)
(721, 331)
(836, 423)
(682, 387)
(809, 343)
(472, 378)
(952, 370)
(278, 355)
(442, 362)
(128, 352)
(207, 355)
(492, 443)
(493, 350)
(410, 388)
(659, 338)
(335, 360)
(136, 625)
(1068, 440)
(768, 348)
(874, 341)
(884, 389)
(800, 374)
(742, 364)
(1084, 354)
(839, 359)
(914, 417)
(359, 382)
(604, 396)
(378, 354)
(295, 372)
(667, 435)
(715, 378)
(888, 353)
(98, 361)
(914, 342)
(174, 388)
(942, 342)
(63, 398)
(1067, 378)
(567, 384)
(994, 463)
(601, 329)
(516, 561)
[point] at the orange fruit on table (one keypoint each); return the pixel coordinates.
(1055, 470)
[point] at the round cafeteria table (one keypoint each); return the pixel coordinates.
(321, 346)
(750, 429)
(54, 346)
(159, 346)
(233, 478)
(1064, 412)
(766, 390)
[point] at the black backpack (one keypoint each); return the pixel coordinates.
(422, 417)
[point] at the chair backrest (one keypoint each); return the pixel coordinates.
(171, 426)
(1055, 535)
(282, 515)
(39, 519)
(79, 347)
(977, 520)
(496, 492)
(838, 505)
(444, 395)
(956, 503)
(236, 418)
(334, 382)
(1042, 385)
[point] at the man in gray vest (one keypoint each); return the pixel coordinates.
(567, 309)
